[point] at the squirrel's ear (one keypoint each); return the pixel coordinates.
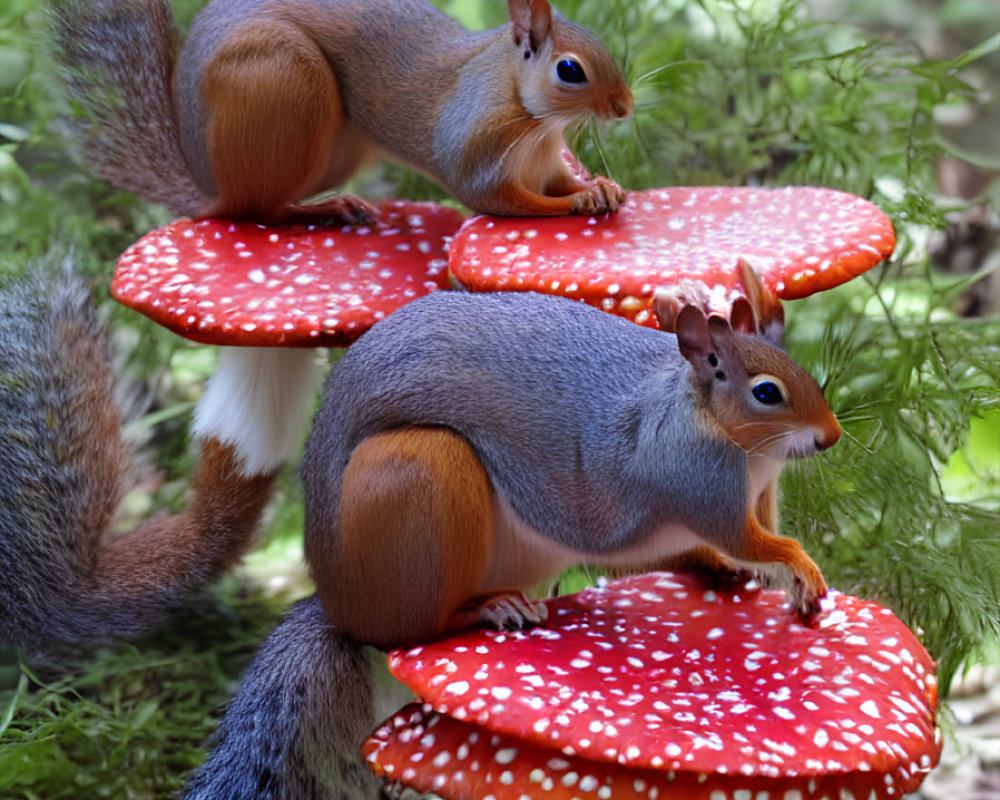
(693, 339)
(530, 23)
(666, 308)
(768, 311)
(742, 317)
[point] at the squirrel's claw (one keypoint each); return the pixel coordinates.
(601, 196)
(807, 594)
(512, 610)
(503, 611)
(335, 212)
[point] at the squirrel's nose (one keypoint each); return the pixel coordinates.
(828, 436)
(621, 106)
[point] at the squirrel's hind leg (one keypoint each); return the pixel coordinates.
(273, 121)
(414, 538)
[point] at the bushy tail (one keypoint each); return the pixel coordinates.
(117, 60)
(64, 468)
(294, 730)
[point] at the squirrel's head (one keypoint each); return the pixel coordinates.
(760, 398)
(565, 72)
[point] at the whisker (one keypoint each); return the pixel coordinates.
(658, 70)
(769, 440)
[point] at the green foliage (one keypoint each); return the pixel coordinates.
(906, 380)
(748, 93)
(129, 721)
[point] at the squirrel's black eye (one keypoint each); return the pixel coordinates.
(767, 393)
(570, 71)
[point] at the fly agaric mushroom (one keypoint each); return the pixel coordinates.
(220, 282)
(653, 686)
(800, 239)
(298, 286)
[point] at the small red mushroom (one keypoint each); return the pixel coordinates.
(222, 282)
(655, 680)
(800, 239)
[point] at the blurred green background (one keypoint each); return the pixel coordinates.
(895, 101)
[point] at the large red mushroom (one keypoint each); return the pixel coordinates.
(258, 288)
(655, 686)
(800, 239)
(238, 283)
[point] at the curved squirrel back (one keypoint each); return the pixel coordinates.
(566, 406)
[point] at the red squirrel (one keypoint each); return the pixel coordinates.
(270, 102)
(473, 445)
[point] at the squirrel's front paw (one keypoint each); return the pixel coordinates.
(808, 590)
(601, 196)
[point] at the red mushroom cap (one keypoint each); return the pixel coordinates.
(654, 672)
(238, 283)
(431, 752)
(800, 239)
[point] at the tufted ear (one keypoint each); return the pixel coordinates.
(769, 315)
(694, 341)
(530, 23)
(742, 317)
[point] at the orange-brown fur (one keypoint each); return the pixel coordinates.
(416, 527)
(87, 368)
(762, 546)
(273, 111)
(191, 547)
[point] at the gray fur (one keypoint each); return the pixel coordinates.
(117, 59)
(294, 729)
(305, 706)
(584, 422)
(52, 508)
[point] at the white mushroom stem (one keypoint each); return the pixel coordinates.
(258, 401)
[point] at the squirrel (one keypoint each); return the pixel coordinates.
(473, 445)
(67, 576)
(270, 102)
